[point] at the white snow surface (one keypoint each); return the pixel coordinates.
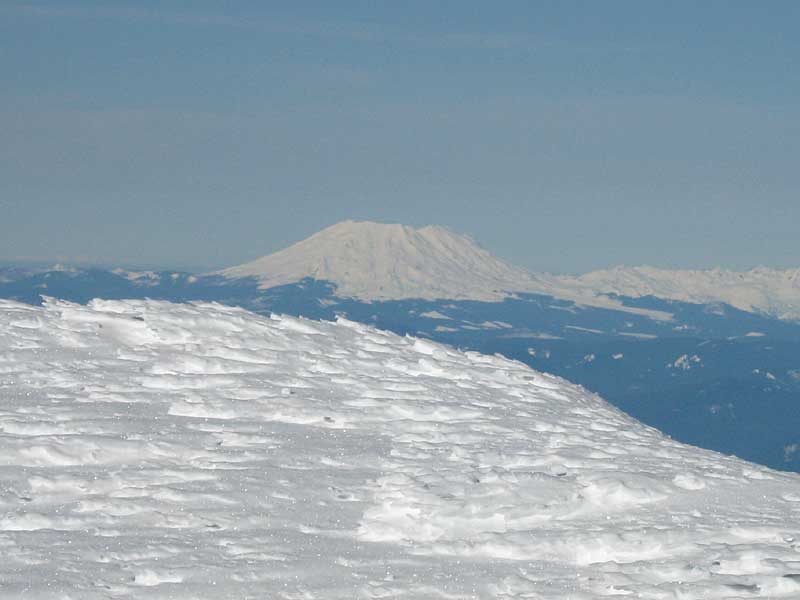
(154, 450)
(374, 261)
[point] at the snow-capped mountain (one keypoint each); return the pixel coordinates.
(187, 451)
(374, 261)
(377, 261)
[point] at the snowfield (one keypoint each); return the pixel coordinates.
(154, 450)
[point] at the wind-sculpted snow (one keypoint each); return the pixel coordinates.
(152, 450)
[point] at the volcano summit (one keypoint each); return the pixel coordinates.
(373, 261)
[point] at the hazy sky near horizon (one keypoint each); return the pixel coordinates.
(562, 135)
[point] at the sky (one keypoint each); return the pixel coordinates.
(562, 135)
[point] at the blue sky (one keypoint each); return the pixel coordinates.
(562, 135)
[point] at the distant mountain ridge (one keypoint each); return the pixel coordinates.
(375, 261)
(772, 292)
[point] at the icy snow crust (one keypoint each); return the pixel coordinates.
(152, 450)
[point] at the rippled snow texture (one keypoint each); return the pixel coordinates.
(152, 450)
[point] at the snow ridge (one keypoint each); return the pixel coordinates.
(203, 451)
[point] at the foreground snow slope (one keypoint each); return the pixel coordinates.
(152, 450)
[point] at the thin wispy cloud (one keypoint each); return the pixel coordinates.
(352, 31)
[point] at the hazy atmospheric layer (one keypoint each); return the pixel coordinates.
(199, 451)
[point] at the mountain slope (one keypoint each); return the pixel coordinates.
(203, 451)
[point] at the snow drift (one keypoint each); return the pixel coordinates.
(200, 451)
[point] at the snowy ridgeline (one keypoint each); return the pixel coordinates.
(198, 451)
(376, 261)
